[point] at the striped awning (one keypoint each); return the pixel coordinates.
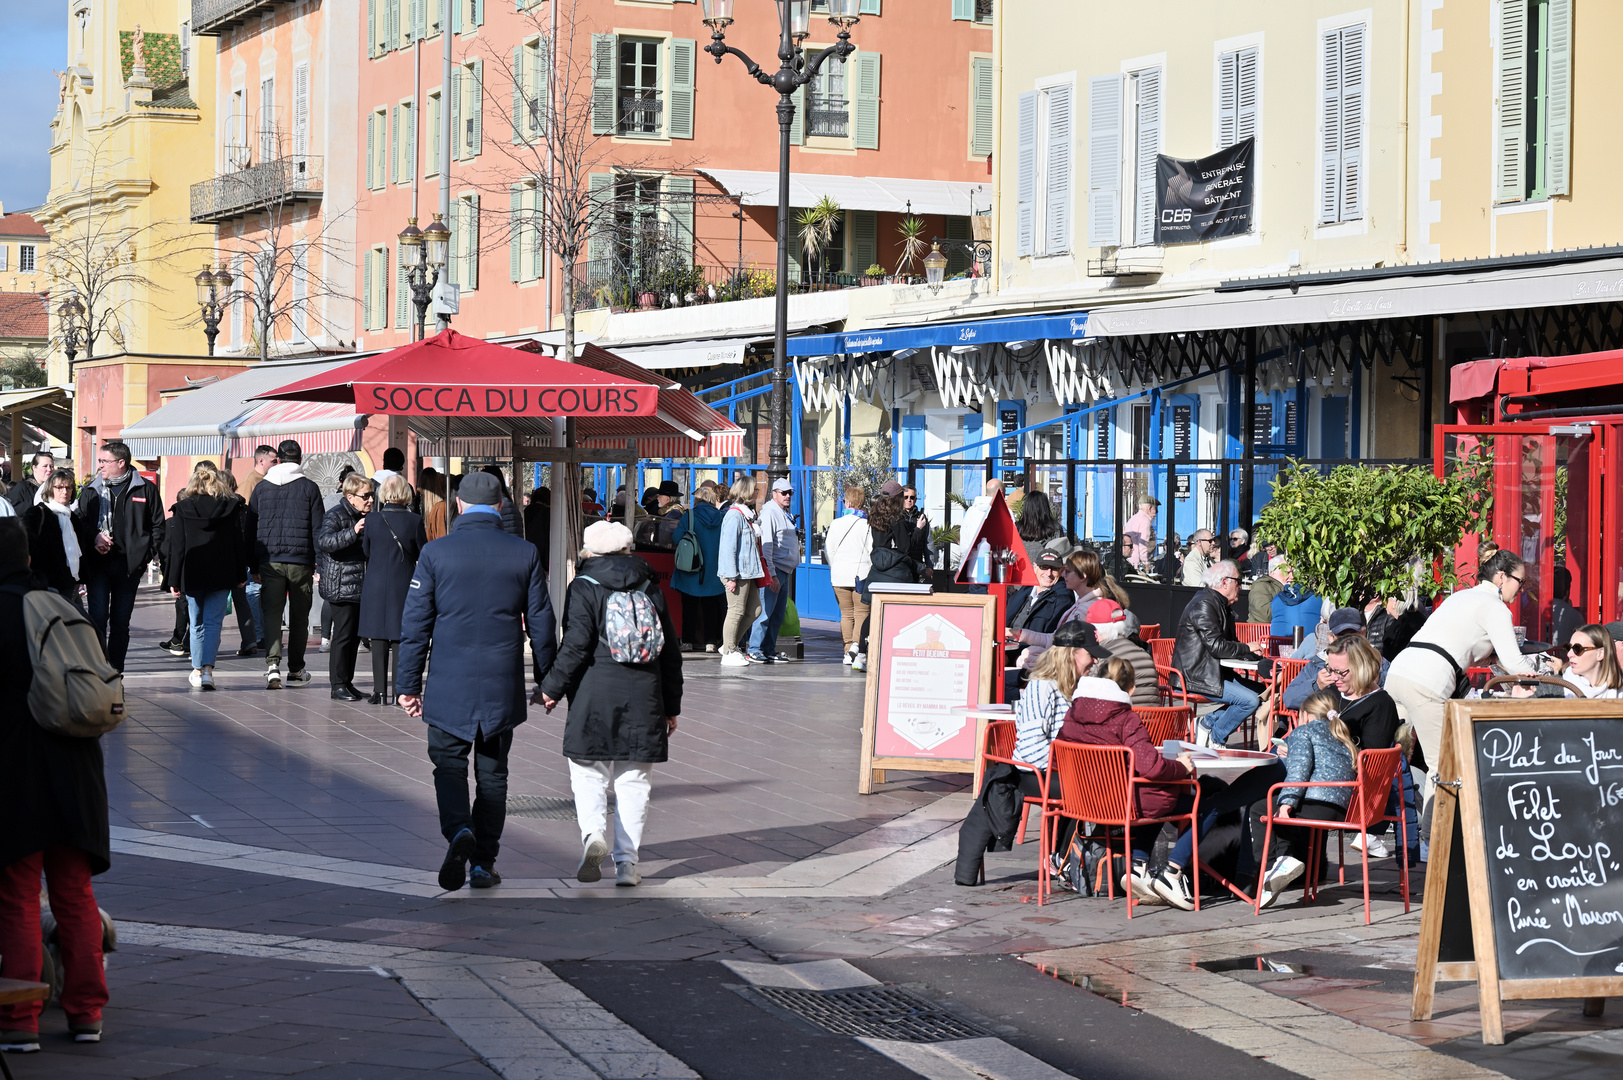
(319, 427)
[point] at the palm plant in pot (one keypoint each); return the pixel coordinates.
(817, 223)
(911, 230)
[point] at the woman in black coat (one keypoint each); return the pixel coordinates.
(207, 557)
(53, 800)
(620, 715)
(341, 564)
(392, 539)
(50, 521)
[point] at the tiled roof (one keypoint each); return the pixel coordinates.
(23, 315)
(21, 225)
(163, 68)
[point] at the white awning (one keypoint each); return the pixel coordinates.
(687, 354)
(1394, 297)
(956, 198)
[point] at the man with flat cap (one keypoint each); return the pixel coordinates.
(474, 594)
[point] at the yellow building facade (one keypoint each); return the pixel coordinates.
(133, 130)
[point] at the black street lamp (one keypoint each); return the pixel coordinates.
(795, 69)
(68, 314)
(422, 254)
(213, 291)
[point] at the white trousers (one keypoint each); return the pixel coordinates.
(632, 782)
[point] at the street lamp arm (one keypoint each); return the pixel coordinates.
(720, 49)
(841, 48)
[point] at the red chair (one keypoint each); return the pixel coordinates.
(1149, 631)
(1285, 672)
(999, 749)
(1165, 722)
(1376, 770)
(1161, 650)
(1251, 631)
(1279, 645)
(1096, 783)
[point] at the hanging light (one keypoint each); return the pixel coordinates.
(844, 13)
(411, 245)
(205, 286)
(437, 240)
(718, 14)
(222, 284)
(935, 266)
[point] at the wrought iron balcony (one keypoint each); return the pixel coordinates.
(260, 187)
(213, 16)
(828, 116)
(641, 112)
(983, 11)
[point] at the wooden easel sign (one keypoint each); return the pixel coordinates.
(1524, 890)
(928, 658)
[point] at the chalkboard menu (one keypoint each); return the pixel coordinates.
(1552, 809)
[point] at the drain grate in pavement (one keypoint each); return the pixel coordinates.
(543, 806)
(875, 1012)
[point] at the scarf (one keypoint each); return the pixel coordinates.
(70, 539)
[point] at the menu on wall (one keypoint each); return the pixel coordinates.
(932, 665)
(1552, 814)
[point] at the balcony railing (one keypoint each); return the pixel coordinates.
(641, 113)
(213, 16)
(259, 187)
(629, 285)
(828, 116)
(983, 11)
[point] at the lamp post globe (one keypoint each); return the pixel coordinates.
(411, 245)
(844, 13)
(718, 14)
(222, 284)
(436, 242)
(205, 286)
(935, 266)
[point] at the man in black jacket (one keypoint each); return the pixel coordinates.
(21, 495)
(1205, 639)
(128, 513)
(284, 516)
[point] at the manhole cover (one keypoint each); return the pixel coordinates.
(543, 806)
(875, 1012)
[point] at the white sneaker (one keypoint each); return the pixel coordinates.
(591, 859)
(196, 678)
(710, 648)
(208, 678)
(1376, 845)
(1284, 871)
(1203, 737)
(1173, 886)
(846, 657)
(734, 659)
(273, 678)
(326, 645)
(627, 874)
(1138, 881)
(859, 662)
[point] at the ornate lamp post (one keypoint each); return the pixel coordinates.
(935, 267)
(795, 69)
(213, 290)
(68, 314)
(422, 253)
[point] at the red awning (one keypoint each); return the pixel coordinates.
(453, 375)
(1481, 378)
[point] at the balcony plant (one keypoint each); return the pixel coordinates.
(914, 245)
(817, 224)
(874, 275)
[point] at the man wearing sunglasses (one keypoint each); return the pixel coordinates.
(1202, 554)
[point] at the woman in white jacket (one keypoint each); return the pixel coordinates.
(847, 549)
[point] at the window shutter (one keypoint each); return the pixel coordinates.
(1227, 94)
(537, 251)
(980, 124)
(419, 19)
(680, 212)
(518, 94)
(1352, 122)
(472, 234)
(456, 114)
(1104, 159)
(963, 10)
(301, 289)
(869, 7)
(381, 280)
(478, 7)
(371, 27)
(1330, 148)
(402, 289)
(5, 250)
(371, 154)
(408, 163)
(1558, 98)
(1026, 185)
(684, 54)
(515, 233)
(394, 144)
(456, 15)
(1149, 147)
(540, 84)
(603, 84)
(1057, 197)
(797, 125)
(957, 228)
(301, 111)
(602, 189)
(1245, 126)
(476, 106)
(366, 301)
(864, 239)
(453, 246)
(867, 118)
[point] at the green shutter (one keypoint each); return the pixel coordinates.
(366, 292)
(679, 211)
(515, 233)
(981, 113)
(957, 258)
(684, 56)
(518, 92)
(478, 12)
(867, 98)
(371, 27)
(963, 10)
(371, 143)
(603, 88)
(869, 7)
(797, 125)
(397, 29)
(401, 289)
(453, 250)
(382, 280)
(541, 84)
(602, 188)
(1510, 94)
(456, 114)
(456, 15)
(864, 240)
(1558, 98)
(394, 144)
(411, 138)
(477, 107)
(472, 233)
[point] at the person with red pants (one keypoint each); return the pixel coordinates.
(53, 799)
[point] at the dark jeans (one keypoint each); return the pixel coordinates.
(702, 617)
(289, 584)
(1217, 799)
(346, 640)
(1295, 840)
(111, 593)
(245, 616)
(382, 651)
(183, 621)
(450, 757)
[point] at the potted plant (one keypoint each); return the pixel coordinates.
(874, 275)
(816, 224)
(914, 245)
(647, 300)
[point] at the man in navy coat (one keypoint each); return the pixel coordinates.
(475, 593)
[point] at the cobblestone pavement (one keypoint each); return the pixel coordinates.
(274, 883)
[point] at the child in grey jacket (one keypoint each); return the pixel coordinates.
(1320, 749)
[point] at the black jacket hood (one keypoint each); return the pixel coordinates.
(619, 571)
(206, 508)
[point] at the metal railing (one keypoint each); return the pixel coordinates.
(212, 16)
(256, 188)
(641, 113)
(983, 10)
(828, 117)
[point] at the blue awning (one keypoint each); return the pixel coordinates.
(1021, 328)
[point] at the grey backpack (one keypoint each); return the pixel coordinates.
(75, 690)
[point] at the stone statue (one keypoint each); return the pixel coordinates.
(138, 47)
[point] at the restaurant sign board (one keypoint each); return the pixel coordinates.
(398, 399)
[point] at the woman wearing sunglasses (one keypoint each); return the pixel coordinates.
(1592, 663)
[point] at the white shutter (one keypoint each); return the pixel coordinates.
(1057, 173)
(1104, 160)
(1353, 68)
(1227, 95)
(1026, 185)
(1245, 125)
(518, 94)
(301, 289)
(366, 300)
(371, 150)
(1510, 101)
(393, 150)
(402, 290)
(1558, 98)
(1330, 136)
(540, 83)
(408, 163)
(301, 111)
(457, 141)
(471, 233)
(1149, 146)
(515, 233)
(476, 107)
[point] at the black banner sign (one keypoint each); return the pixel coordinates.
(1205, 199)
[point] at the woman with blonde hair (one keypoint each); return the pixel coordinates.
(391, 540)
(1321, 750)
(704, 600)
(206, 558)
(738, 564)
(1592, 665)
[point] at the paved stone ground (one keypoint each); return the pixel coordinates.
(274, 875)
